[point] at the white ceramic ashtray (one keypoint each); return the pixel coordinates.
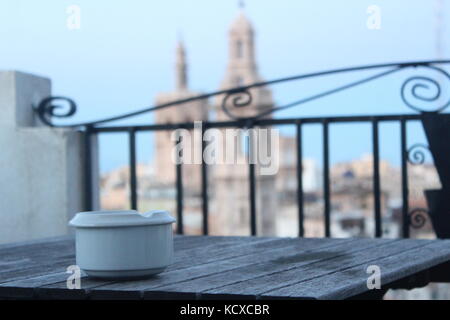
(123, 244)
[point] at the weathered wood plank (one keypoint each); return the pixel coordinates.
(35, 250)
(181, 262)
(217, 267)
(272, 267)
(260, 285)
(25, 288)
(349, 282)
(45, 259)
(57, 280)
(212, 267)
(22, 244)
(190, 242)
(223, 259)
(201, 254)
(36, 258)
(261, 252)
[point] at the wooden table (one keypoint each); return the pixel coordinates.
(235, 267)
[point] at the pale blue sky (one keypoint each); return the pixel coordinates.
(124, 54)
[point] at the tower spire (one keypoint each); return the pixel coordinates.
(181, 66)
(241, 62)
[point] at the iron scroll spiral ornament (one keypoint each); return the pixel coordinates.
(47, 109)
(418, 217)
(415, 89)
(240, 98)
(416, 154)
(425, 90)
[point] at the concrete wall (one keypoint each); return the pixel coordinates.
(41, 180)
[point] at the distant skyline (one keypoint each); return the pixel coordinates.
(123, 55)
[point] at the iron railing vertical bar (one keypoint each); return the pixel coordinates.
(87, 147)
(132, 167)
(405, 191)
(204, 185)
(376, 179)
(300, 203)
(326, 177)
(179, 184)
(252, 199)
(252, 180)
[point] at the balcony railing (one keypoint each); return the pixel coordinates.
(412, 91)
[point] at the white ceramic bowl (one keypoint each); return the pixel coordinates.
(123, 244)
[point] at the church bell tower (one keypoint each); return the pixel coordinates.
(232, 189)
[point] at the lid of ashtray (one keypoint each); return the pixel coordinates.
(96, 219)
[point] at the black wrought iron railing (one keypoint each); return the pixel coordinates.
(416, 89)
